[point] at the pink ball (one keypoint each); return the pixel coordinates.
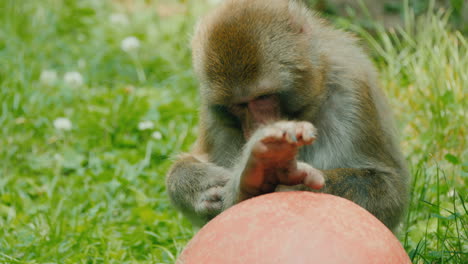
(294, 227)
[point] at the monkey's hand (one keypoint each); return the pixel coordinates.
(197, 187)
(209, 200)
(272, 159)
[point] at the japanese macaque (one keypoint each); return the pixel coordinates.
(287, 103)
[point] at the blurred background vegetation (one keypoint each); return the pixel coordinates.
(390, 12)
(97, 96)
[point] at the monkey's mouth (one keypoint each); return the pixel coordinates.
(262, 110)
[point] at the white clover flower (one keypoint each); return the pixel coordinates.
(156, 135)
(145, 125)
(73, 78)
(48, 77)
(451, 193)
(63, 123)
(119, 19)
(130, 44)
(58, 157)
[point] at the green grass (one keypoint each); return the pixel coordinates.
(96, 194)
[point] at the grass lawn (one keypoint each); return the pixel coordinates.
(90, 118)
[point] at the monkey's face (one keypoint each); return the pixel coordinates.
(245, 92)
(247, 104)
(253, 65)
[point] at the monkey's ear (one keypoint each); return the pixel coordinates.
(299, 14)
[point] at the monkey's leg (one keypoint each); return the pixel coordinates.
(269, 159)
(375, 190)
(196, 187)
(381, 192)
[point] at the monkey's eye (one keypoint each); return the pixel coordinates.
(224, 115)
(242, 105)
(237, 109)
(263, 97)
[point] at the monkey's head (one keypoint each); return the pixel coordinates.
(254, 60)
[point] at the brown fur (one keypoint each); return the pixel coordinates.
(246, 49)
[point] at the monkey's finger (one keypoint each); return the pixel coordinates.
(291, 137)
(208, 207)
(297, 174)
(213, 194)
(287, 129)
(308, 137)
(308, 132)
(307, 175)
(315, 179)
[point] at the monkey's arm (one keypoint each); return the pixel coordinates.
(195, 186)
